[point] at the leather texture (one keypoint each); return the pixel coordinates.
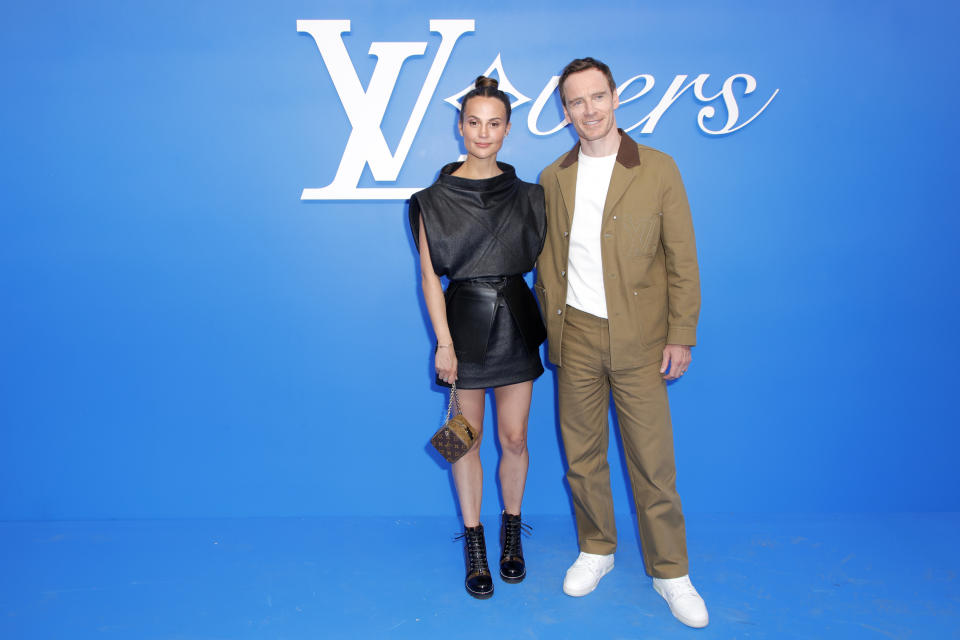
(478, 581)
(483, 235)
(480, 228)
(513, 568)
(471, 307)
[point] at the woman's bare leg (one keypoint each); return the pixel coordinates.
(467, 472)
(513, 411)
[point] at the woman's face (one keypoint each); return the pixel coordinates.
(484, 126)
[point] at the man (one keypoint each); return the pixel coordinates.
(620, 291)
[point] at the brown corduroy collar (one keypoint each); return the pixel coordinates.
(627, 154)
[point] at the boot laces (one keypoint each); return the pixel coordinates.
(476, 549)
(513, 528)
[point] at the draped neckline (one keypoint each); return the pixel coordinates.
(496, 184)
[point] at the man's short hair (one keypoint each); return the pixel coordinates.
(582, 64)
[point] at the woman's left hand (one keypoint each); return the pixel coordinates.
(446, 363)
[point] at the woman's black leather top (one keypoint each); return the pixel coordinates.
(483, 234)
(480, 228)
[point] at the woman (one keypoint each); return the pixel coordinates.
(482, 227)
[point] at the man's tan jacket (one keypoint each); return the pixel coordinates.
(649, 256)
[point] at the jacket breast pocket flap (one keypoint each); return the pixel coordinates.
(644, 232)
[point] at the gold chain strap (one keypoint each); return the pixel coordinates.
(453, 396)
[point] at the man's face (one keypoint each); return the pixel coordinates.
(589, 104)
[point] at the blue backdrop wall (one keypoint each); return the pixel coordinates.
(182, 335)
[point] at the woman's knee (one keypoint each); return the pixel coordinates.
(514, 441)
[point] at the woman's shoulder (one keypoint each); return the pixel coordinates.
(419, 198)
(528, 187)
(532, 190)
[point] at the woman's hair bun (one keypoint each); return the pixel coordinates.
(485, 87)
(484, 81)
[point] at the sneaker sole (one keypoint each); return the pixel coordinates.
(695, 624)
(580, 594)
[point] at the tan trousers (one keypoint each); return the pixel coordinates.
(585, 383)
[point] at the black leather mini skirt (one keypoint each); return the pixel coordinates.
(497, 331)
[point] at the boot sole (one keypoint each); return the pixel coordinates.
(513, 580)
(481, 596)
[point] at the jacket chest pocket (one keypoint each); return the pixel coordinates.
(644, 234)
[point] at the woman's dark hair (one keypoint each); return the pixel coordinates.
(485, 87)
(582, 64)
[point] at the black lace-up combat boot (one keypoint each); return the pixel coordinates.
(479, 582)
(512, 566)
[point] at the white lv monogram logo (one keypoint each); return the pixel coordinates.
(365, 109)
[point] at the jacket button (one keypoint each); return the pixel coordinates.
(634, 293)
(614, 217)
(559, 312)
(563, 273)
(565, 234)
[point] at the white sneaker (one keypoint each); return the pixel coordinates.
(584, 574)
(686, 605)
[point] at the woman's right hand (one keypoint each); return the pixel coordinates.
(446, 363)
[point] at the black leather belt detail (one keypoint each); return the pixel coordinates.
(472, 306)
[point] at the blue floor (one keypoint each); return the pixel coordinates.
(825, 576)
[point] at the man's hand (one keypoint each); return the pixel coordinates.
(677, 357)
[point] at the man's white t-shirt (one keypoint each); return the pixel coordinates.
(584, 267)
